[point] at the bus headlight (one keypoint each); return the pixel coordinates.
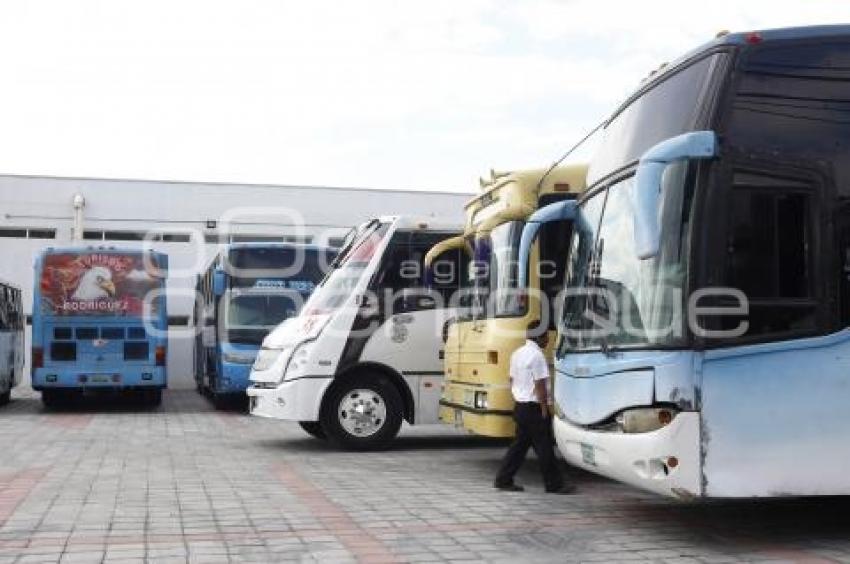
(238, 357)
(299, 361)
(266, 358)
(481, 400)
(645, 419)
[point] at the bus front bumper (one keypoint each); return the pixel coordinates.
(666, 461)
(235, 378)
(297, 400)
(482, 422)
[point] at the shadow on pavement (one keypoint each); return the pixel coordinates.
(401, 444)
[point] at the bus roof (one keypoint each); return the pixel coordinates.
(9, 284)
(427, 223)
(567, 178)
(744, 38)
(282, 245)
(98, 249)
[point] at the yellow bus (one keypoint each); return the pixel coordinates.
(496, 311)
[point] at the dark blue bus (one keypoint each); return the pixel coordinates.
(246, 291)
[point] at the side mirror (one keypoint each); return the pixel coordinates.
(457, 242)
(647, 188)
(218, 283)
(559, 211)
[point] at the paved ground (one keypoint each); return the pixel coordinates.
(186, 483)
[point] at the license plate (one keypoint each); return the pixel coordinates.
(458, 418)
(101, 378)
(588, 455)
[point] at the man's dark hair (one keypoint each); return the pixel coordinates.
(535, 330)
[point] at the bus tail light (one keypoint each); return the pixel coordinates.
(37, 357)
(754, 38)
(493, 357)
(160, 356)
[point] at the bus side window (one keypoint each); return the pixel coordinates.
(5, 302)
(554, 245)
(843, 251)
(770, 254)
(403, 272)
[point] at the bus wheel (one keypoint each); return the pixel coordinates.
(6, 396)
(153, 397)
(53, 399)
(363, 413)
(219, 401)
(314, 429)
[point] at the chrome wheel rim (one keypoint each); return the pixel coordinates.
(362, 412)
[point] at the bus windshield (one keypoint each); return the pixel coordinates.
(494, 273)
(251, 316)
(666, 110)
(262, 311)
(277, 266)
(347, 271)
(617, 299)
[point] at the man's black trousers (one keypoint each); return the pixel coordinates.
(532, 430)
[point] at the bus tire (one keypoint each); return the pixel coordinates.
(54, 399)
(153, 398)
(380, 413)
(219, 401)
(6, 397)
(314, 429)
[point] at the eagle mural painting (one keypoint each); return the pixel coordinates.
(95, 284)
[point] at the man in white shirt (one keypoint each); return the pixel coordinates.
(529, 386)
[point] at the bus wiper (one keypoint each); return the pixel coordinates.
(348, 248)
(606, 349)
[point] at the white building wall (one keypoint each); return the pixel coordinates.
(200, 211)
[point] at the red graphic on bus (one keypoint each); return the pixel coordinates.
(94, 283)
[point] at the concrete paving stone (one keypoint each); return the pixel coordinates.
(187, 483)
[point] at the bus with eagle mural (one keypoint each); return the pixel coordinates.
(99, 323)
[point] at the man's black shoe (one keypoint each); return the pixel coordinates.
(509, 487)
(566, 489)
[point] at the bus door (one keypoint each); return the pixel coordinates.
(410, 339)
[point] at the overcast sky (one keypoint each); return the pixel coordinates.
(426, 94)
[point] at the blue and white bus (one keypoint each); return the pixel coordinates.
(704, 344)
(11, 339)
(99, 322)
(246, 291)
